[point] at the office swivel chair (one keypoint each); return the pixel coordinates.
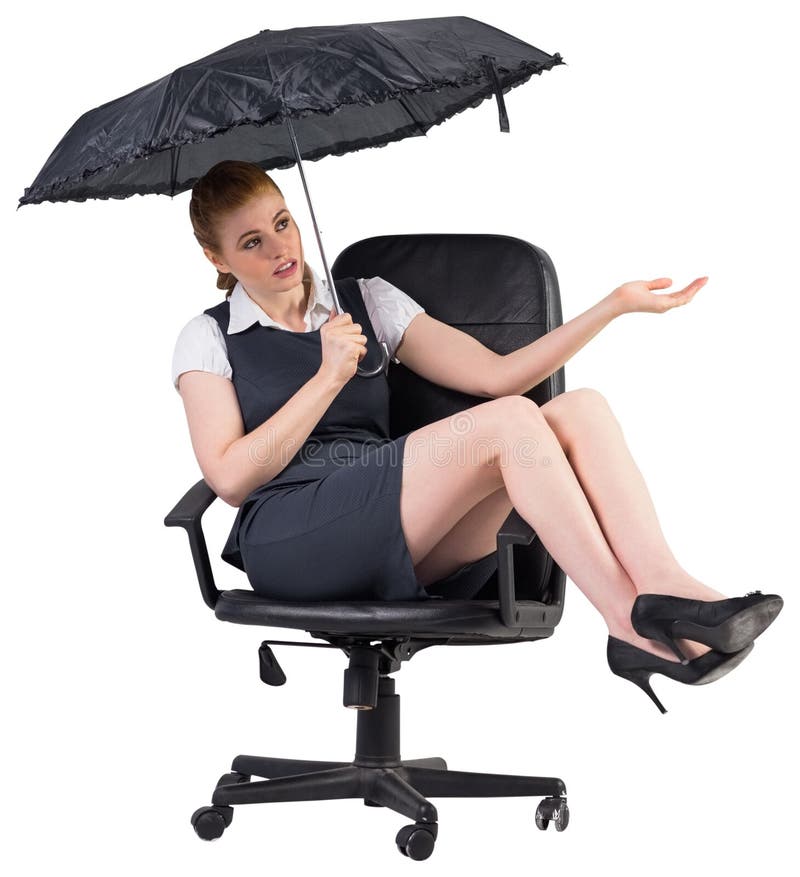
(504, 292)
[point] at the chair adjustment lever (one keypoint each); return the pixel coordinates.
(269, 669)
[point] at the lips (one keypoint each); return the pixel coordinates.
(290, 268)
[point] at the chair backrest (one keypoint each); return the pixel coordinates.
(499, 289)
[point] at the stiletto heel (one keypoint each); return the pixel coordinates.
(723, 625)
(642, 679)
(637, 665)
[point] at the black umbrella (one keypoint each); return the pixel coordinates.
(337, 88)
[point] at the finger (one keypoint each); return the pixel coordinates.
(680, 296)
(693, 287)
(683, 297)
(698, 283)
(659, 283)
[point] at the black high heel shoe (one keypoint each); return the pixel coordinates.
(638, 665)
(724, 625)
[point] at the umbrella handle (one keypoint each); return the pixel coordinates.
(383, 366)
(380, 369)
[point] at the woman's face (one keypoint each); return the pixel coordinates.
(258, 238)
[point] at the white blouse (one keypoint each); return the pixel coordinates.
(201, 343)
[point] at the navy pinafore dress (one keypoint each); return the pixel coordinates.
(327, 526)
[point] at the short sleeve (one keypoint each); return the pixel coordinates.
(390, 310)
(200, 346)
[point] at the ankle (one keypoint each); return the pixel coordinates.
(680, 584)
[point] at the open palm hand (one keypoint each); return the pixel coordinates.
(639, 296)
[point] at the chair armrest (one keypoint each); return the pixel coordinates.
(187, 514)
(514, 531)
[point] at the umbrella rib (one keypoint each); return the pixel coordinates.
(388, 41)
(178, 117)
(174, 159)
(404, 104)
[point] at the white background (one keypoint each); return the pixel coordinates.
(665, 147)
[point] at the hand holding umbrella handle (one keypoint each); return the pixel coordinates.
(383, 366)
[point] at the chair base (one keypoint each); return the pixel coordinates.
(379, 776)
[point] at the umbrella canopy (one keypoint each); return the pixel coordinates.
(345, 87)
(281, 96)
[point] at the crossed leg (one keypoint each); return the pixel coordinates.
(580, 439)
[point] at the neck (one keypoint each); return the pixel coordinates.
(288, 308)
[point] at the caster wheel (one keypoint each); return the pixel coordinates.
(552, 809)
(228, 779)
(417, 841)
(210, 822)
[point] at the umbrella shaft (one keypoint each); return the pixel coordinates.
(299, 161)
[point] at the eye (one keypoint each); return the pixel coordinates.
(252, 240)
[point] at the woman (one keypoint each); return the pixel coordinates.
(265, 377)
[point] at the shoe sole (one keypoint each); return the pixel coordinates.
(725, 667)
(735, 633)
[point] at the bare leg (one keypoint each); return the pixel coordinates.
(542, 487)
(595, 446)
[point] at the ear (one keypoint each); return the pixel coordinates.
(221, 266)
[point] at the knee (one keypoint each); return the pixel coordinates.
(515, 407)
(513, 415)
(587, 396)
(583, 399)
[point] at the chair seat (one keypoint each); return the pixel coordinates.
(437, 616)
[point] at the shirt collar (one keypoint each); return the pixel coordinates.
(245, 311)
